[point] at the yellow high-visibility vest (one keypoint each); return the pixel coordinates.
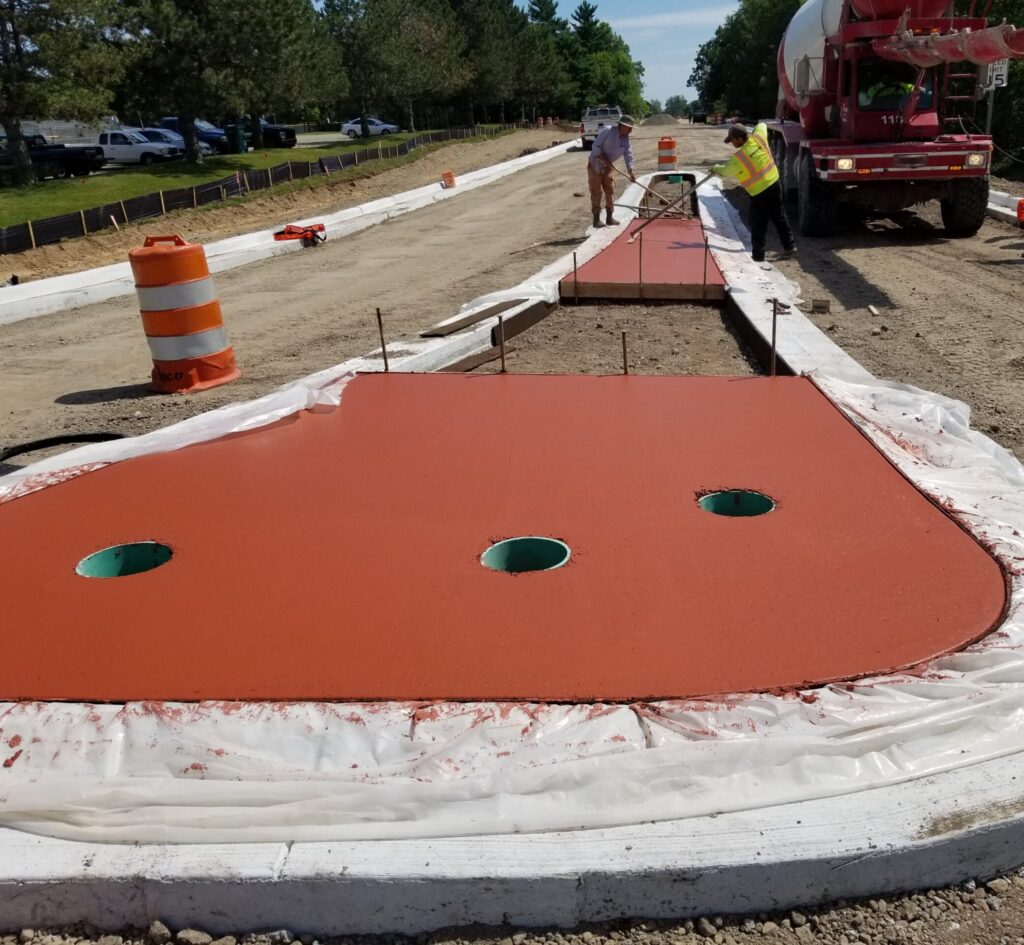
(752, 165)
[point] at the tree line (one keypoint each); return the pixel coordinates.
(420, 61)
(735, 72)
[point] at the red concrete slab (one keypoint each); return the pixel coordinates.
(337, 555)
(666, 261)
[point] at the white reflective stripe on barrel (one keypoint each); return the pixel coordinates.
(161, 298)
(181, 347)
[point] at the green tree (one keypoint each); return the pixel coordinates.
(738, 64)
(273, 43)
(183, 56)
(58, 59)
(420, 49)
(677, 106)
(654, 107)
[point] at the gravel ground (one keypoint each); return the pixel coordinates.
(976, 913)
(660, 339)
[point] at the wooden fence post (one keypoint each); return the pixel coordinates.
(85, 229)
(31, 234)
(195, 198)
(124, 212)
(163, 206)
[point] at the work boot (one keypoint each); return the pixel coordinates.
(609, 217)
(597, 220)
(787, 253)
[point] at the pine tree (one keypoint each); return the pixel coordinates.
(58, 59)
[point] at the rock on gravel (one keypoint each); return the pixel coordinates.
(193, 937)
(158, 933)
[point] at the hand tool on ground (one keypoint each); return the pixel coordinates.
(678, 201)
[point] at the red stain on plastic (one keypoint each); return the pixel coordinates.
(10, 761)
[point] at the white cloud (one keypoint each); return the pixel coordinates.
(705, 16)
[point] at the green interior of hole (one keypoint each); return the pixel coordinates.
(122, 560)
(517, 555)
(736, 502)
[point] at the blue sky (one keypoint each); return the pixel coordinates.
(663, 35)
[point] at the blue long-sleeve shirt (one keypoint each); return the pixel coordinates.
(608, 147)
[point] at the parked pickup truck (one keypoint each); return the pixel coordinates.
(127, 146)
(51, 160)
(211, 134)
(594, 119)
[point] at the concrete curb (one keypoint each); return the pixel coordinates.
(1004, 207)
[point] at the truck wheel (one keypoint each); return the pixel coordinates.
(146, 159)
(964, 210)
(818, 206)
(588, 145)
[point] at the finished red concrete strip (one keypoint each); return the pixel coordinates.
(335, 555)
(666, 261)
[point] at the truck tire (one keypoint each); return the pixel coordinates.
(588, 145)
(964, 210)
(818, 206)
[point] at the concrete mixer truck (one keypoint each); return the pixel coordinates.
(876, 108)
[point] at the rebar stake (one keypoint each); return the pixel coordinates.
(775, 318)
(704, 290)
(640, 265)
(625, 356)
(575, 282)
(383, 347)
(501, 341)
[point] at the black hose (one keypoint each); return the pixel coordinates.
(34, 445)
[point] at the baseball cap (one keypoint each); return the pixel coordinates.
(627, 120)
(736, 131)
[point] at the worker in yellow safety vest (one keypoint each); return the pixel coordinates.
(754, 167)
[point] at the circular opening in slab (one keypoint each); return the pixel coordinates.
(122, 560)
(518, 555)
(738, 503)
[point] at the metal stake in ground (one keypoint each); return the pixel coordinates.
(625, 356)
(575, 282)
(383, 347)
(501, 341)
(775, 318)
(704, 290)
(640, 267)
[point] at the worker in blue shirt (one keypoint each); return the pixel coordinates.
(610, 144)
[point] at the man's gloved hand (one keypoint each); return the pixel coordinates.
(632, 177)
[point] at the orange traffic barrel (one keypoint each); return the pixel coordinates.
(666, 154)
(1020, 212)
(447, 180)
(540, 122)
(181, 316)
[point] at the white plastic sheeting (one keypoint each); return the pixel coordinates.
(58, 293)
(256, 772)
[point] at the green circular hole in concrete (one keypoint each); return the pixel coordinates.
(737, 503)
(122, 560)
(529, 553)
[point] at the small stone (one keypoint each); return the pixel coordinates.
(768, 928)
(521, 937)
(231, 940)
(110, 940)
(876, 331)
(26, 935)
(586, 936)
(798, 919)
(804, 933)
(998, 886)
(704, 928)
(193, 937)
(280, 937)
(158, 933)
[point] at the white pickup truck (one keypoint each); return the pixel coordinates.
(594, 119)
(130, 147)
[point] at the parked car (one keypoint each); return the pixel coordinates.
(52, 160)
(354, 128)
(211, 134)
(129, 147)
(165, 136)
(275, 136)
(596, 118)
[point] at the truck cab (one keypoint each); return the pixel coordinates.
(596, 118)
